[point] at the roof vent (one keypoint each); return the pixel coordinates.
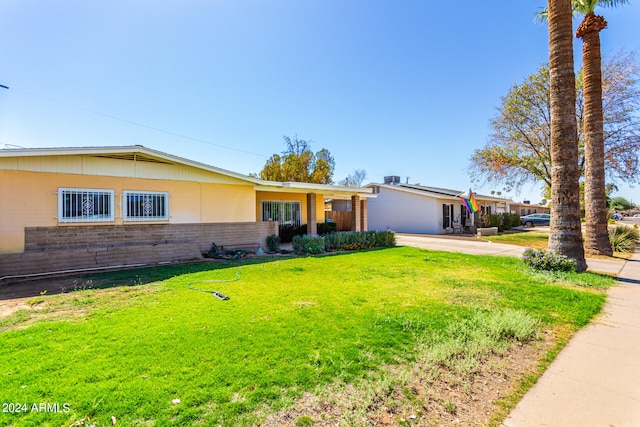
(393, 180)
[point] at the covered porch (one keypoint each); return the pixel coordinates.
(303, 204)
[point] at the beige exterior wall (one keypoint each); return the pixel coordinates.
(262, 196)
(108, 166)
(29, 199)
(320, 208)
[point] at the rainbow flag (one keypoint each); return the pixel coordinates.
(469, 200)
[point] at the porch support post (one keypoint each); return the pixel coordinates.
(356, 213)
(364, 226)
(312, 220)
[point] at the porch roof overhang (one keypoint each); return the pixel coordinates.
(328, 191)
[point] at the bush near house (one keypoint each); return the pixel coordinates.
(504, 221)
(495, 220)
(308, 245)
(510, 220)
(353, 240)
(273, 243)
(343, 241)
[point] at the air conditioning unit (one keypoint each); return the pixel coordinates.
(392, 180)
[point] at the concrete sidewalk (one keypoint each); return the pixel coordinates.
(595, 380)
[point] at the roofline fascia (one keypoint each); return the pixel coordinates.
(438, 195)
(132, 149)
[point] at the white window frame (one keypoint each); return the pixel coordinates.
(282, 212)
(126, 215)
(86, 216)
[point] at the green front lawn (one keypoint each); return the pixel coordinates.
(290, 325)
(529, 239)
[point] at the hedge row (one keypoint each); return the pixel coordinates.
(504, 221)
(343, 241)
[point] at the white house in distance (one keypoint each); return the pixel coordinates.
(412, 208)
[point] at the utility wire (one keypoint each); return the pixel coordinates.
(131, 122)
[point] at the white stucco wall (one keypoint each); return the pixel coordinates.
(404, 212)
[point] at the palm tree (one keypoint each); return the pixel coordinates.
(597, 235)
(566, 235)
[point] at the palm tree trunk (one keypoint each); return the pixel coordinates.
(597, 234)
(566, 234)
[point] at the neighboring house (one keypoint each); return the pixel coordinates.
(76, 208)
(526, 208)
(407, 208)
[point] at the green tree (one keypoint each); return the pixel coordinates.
(621, 204)
(518, 151)
(565, 236)
(298, 163)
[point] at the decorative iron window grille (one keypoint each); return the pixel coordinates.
(146, 206)
(85, 205)
(286, 213)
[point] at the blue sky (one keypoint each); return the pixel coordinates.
(393, 87)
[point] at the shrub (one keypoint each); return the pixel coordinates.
(515, 219)
(308, 245)
(327, 227)
(506, 221)
(495, 220)
(213, 252)
(623, 238)
(273, 243)
(510, 220)
(548, 261)
(354, 240)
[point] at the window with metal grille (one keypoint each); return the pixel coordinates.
(85, 205)
(286, 213)
(146, 206)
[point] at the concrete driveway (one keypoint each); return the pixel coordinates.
(472, 246)
(463, 245)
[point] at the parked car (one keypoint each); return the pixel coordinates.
(535, 219)
(636, 216)
(617, 216)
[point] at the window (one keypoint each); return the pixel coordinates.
(447, 216)
(286, 213)
(146, 206)
(85, 205)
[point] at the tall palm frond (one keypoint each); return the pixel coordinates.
(582, 7)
